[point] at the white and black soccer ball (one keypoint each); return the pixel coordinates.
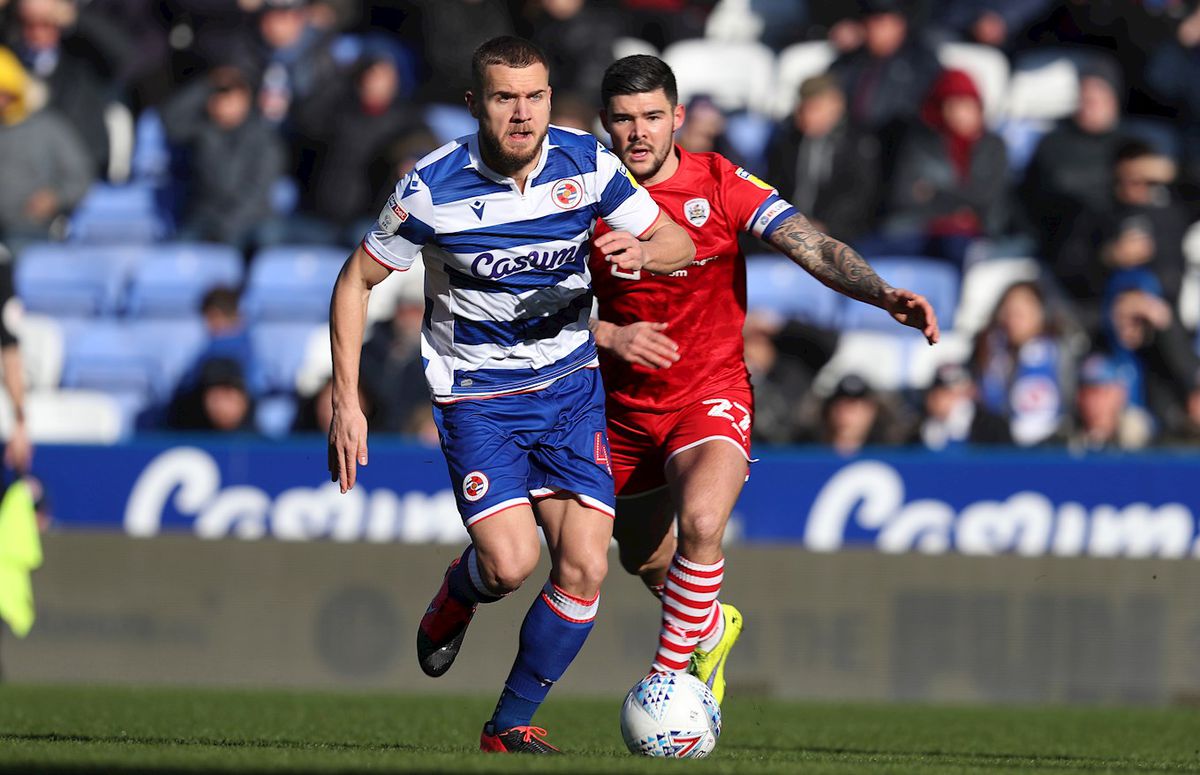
(671, 715)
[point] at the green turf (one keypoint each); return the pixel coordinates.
(72, 729)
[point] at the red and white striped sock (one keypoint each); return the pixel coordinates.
(688, 605)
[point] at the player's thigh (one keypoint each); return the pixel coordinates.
(489, 470)
(644, 530)
(573, 456)
(507, 546)
(577, 536)
(709, 461)
(635, 442)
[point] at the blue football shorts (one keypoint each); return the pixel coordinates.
(505, 450)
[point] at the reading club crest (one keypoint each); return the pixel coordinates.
(696, 211)
(475, 485)
(567, 193)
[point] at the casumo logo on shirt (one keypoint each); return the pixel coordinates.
(494, 267)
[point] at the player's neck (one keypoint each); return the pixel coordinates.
(668, 169)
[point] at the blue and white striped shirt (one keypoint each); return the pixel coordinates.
(507, 289)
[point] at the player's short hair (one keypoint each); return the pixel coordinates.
(638, 74)
(506, 50)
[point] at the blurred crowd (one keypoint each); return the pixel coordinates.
(288, 121)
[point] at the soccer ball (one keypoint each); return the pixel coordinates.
(671, 715)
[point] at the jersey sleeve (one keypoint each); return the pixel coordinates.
(623, 203)
(756, 205)
(404, 226)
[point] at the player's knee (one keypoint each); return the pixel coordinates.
(506, 574)
(583, 576)
(702, 528)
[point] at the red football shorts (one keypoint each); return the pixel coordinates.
(643, 442)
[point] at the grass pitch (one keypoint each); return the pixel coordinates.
(78, 729)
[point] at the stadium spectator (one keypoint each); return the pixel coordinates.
(348, 129)
(827, 168)
(572, 111)
(1021, 365)
(1173, 77)
(76, 71)
(451, 29)
(663, 22)
(228, 338)
(133, 34)
(954, 417)
(854, 416)
(46, 170)
(1104, 418)
(704, 130)
(995, 23)
(782, 362)
(578, 39)
(288, 59)
(1145, 339)
(1141, 226)
(219, 402)
(783, 21)
(886, 79)
(235, 157)
(1071, 170)
(949, 184)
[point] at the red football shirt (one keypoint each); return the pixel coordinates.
(703, 304)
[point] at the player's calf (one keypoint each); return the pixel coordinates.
(444, 626)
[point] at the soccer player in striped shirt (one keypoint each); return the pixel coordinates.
(671, 355)
(503, 219)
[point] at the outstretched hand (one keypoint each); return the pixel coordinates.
(347, 446)
(912, 310)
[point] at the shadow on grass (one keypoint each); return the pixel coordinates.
(979, 759)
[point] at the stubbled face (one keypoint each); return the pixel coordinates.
(513, 110)
(642, 127)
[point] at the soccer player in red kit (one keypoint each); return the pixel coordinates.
(672, 361)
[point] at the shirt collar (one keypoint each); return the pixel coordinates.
(476, 161)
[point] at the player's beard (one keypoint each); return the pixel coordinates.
(504, 161)
(658, 157)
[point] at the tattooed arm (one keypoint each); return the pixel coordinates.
(840, 267)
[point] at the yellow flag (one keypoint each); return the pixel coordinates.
(20, 552)
(20, 545)
(16, 599)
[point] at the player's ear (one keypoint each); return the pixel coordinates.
(472, 105)
(680, 113)
(604, 121)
